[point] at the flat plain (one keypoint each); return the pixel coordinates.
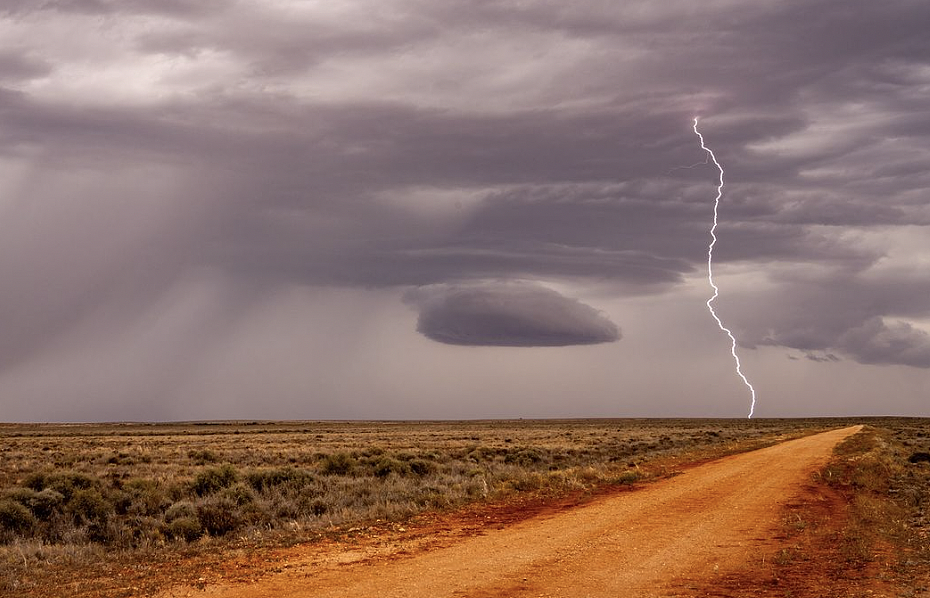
(135, 509)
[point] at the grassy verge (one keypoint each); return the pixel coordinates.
(886, 480)
(862, 529)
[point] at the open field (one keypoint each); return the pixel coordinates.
(81, 505)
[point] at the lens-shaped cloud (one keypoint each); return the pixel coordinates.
(508, 314)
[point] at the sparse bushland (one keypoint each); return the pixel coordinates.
(81, 496)
(866, 529)
(889, 500)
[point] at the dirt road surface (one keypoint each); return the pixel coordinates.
(662, 540)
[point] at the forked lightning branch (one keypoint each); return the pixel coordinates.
(710, 271)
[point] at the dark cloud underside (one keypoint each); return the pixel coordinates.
(508, 315)
(157, 157)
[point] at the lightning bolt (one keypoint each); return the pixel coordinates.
(710, 271)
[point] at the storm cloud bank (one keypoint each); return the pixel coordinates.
(172, 173)
(508, 315)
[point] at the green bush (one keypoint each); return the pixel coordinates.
(119, 500)
(47, 503)
(66, 484)
(240, 494)
(137, 530)
(42, 504)
(15, 517)
(121, 459)
(265, 479)
(254, 513)
(218, 515)
(524, 457)
(203, 456)
(422, 467)
(338, 464)
(179, 510)
(185, 528)
(21, 495)
(483, 453)
(385, 466)
(213, 479)
(89, 506)
(35, 481)
(146, 498)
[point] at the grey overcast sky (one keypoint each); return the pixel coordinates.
(218, 209)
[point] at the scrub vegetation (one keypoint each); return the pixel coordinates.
(884, 476)
(87, 498)
(864, 529)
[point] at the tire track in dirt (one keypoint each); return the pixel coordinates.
(661, 540)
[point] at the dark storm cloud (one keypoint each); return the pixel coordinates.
(879, 342)
(826, 313)
(508, 314)
(819, 357)
(431, 143)
(103, 7)
(17, 66)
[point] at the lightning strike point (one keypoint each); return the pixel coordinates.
(710, 271)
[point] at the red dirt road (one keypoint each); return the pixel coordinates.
(670, 536)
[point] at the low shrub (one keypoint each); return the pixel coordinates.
(254, 514)
(21, 495)
(89, 506)
(47, 503)
(524, 457)
(184, 528)
(265, 479)
(36, 481)
(241, 494)
(41, 504)
(15, 517)
(121, 500)
(121, 459)
(203, 456)
(65, 483)
(312, 506)
(218, 515)
(422, 467)
(484, 453)
(146, 498)
(385, 466)
(338, 464)
(919, 458)
(69, 484)
(179, 510)
(213, 479)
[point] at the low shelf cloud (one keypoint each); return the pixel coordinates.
(508, 314)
